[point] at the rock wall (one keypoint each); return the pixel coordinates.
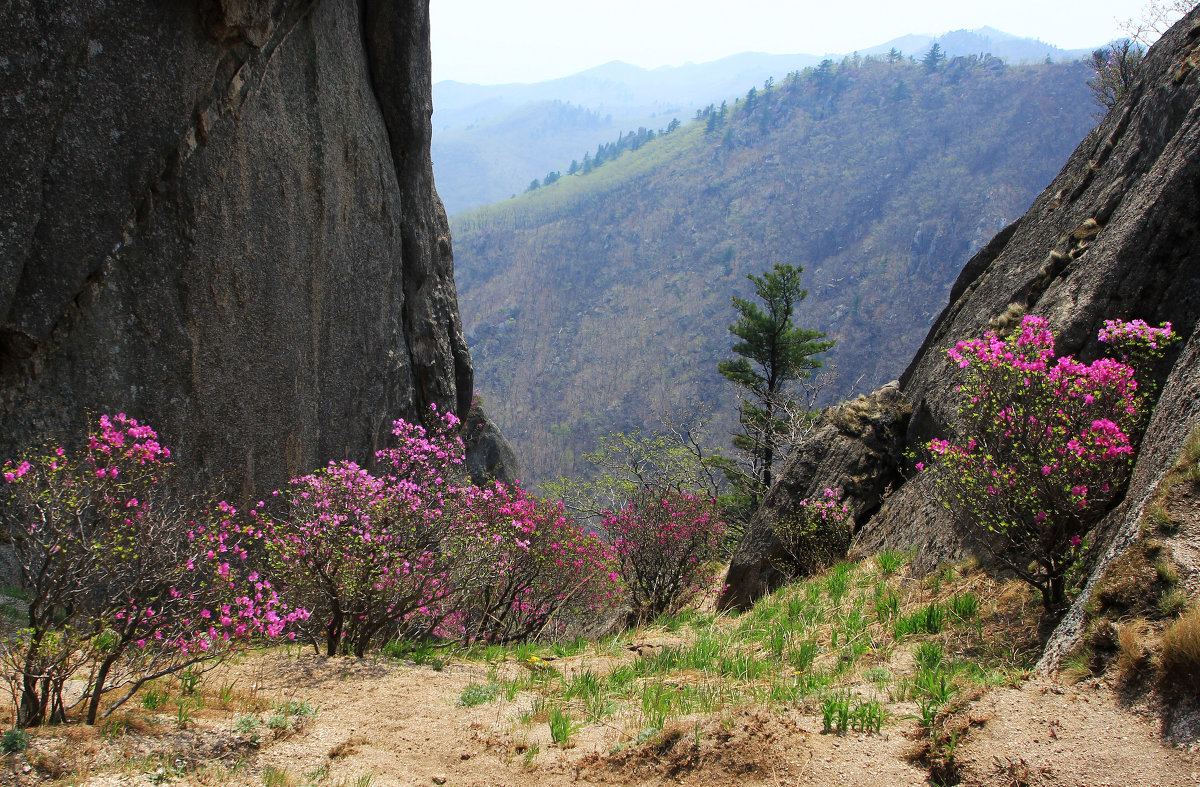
(220, 217)
(1115, 235)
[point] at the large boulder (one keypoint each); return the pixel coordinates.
(1115, 235)
(856, 448)
(220, 218)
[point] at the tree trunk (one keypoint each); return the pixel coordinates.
(32, 710)
(101, 676)
(333, 633)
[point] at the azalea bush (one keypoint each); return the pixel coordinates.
(413, 551)
(543, 573)
(666, 544)
(815, 534)
(125, 582)
(1045, 444)
(369, 554)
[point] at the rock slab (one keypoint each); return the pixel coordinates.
(220, 218)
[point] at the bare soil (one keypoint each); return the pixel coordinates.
(402, 724)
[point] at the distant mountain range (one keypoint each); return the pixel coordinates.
(598, 301)
(491, 141)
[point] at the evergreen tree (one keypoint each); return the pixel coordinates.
(933, 58)
(774, 355)
(823, 75)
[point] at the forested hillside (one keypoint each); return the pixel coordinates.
(490, 141)
(596, 302)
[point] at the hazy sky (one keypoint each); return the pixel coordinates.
(494, 41)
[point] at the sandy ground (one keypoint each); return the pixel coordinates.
(402, 724)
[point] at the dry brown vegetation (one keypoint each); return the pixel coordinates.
(1181, 651)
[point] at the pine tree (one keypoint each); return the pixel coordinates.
(934, 57)
(774, 355)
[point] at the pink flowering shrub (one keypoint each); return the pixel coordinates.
(416, 552)
(369, 555)
(542, 572)
(666, 544)
(816, 534)
(124, 583)
(1046, 444)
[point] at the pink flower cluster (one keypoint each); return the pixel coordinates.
(110, 549)
(1123, 334)
(543, 569)
(828, 507)
(123, 439)
(1050, 440)
(358, 550)
(666, 543)
(415, 551)
(815, 533)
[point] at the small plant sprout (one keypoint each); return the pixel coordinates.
(278, 723)
(184, 713)
(477, 694)
(278, 777)
(153, 698)
(1181, 650)
(835, 712)
(890, 561)
(189, 681)
(226, 694)
(965, 606)
(928, 655)
(13, 741)
(1172, 603)
(244, 725)
(562, 728)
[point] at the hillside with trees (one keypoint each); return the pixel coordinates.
(491, 140)
(597, 302)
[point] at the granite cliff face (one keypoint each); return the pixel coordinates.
(1116, 235)
(220, 217)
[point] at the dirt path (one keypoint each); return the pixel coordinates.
(1045, 733)
(403, 725)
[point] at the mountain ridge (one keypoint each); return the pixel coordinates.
(475, 166)
(871, 175)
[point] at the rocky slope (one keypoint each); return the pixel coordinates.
(1115, 235)
(220, 218)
